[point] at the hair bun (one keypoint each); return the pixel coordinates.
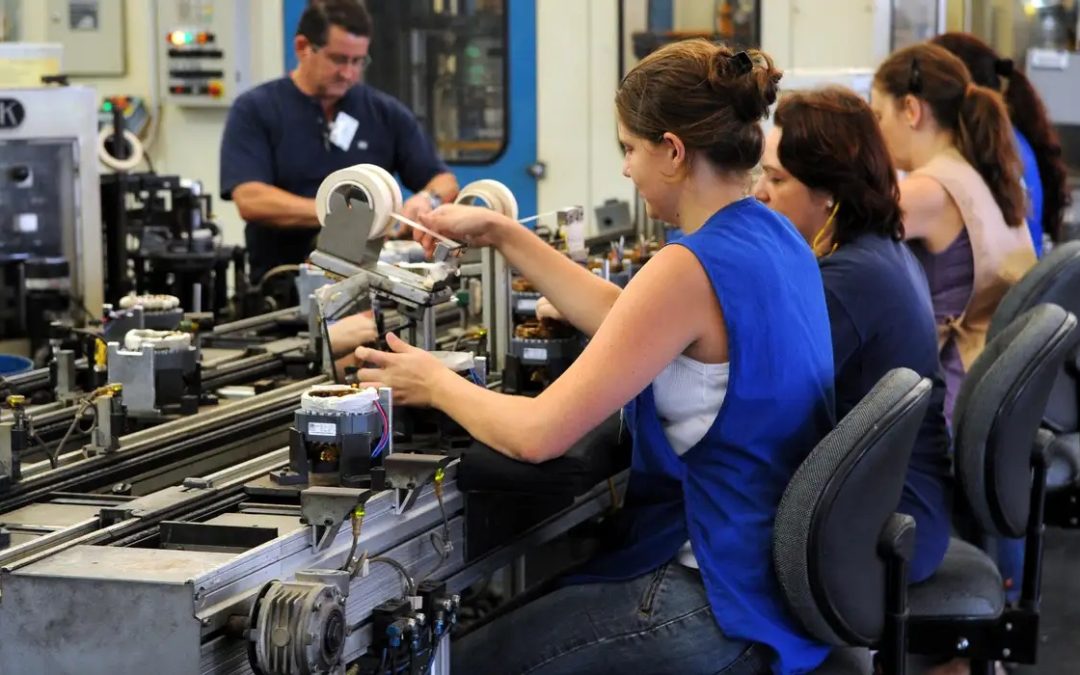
(747, 81)
(1004, 67)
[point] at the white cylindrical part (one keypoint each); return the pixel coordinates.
(380, 190)
(339, 398)
(459, 362)
(497, 196)
(139, 338)
(119, 164)
(150, 303)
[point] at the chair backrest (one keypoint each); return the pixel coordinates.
(834, 510)
(999, 410)
(1055, 279)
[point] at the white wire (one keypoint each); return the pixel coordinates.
(538, 216)
(417, 226)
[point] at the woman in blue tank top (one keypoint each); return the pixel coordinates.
(826, 168)
(734, 313)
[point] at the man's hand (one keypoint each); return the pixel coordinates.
(418, 204)
(414, 207)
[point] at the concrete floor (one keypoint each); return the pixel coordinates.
(1059, 653)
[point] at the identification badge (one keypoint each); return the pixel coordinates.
(343, 131)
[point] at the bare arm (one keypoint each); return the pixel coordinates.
(265, 203)
(669, 292)
(582, 297)
(928, 212)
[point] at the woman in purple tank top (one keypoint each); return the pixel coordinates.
(963, 201)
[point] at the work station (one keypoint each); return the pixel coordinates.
(368, 337)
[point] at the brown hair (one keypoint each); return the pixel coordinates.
(1027, 112)
(831, 142)
(705, 94)
(320, 15)
(976, 116)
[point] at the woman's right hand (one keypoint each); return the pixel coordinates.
(470, 225)
(546, 310)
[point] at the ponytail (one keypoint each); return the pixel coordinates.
(985, 139)
(1028, 113)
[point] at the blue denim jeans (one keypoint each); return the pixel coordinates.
(658, 623)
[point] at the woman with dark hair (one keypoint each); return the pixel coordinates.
(718, 427)
(827, 169)
(962, 199)
(1045, 175)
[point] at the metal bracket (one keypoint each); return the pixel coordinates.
(1012, 637)
(66, 375)
(326, 508)
(344, 297)
(407, 473)
(110, 415)
(338, 579)
(110, 515)
(198, 483)
(7, 452)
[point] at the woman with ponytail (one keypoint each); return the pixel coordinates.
(962, 199)
(1045, 175)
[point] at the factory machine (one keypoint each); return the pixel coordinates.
(160, 238)
(541, 350)
(166, 362)
(50, 227)
(297, 531)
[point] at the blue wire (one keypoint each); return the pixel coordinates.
(385, 440)
(381, 446)
(474, 377)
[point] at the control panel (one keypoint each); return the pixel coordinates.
(133, 108)
(205, 51)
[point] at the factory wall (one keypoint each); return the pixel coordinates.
(577, 74)
(578, 71)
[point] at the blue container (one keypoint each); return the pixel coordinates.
(11, 364)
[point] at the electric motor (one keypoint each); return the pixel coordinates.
(297, 628)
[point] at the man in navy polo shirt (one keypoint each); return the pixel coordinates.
(285, 136)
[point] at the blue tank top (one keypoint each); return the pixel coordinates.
(722, 494)
(1033, 188)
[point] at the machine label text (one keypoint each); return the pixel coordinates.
(12, 113)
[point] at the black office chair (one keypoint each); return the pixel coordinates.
(1056, 280)
(1000, 465)
(839, 550)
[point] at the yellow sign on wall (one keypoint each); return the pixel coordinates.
(23, 64)
(26, 72)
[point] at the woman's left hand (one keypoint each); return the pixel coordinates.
(412, 373)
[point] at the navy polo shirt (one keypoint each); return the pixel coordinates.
(882, 318)
(276, 134)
